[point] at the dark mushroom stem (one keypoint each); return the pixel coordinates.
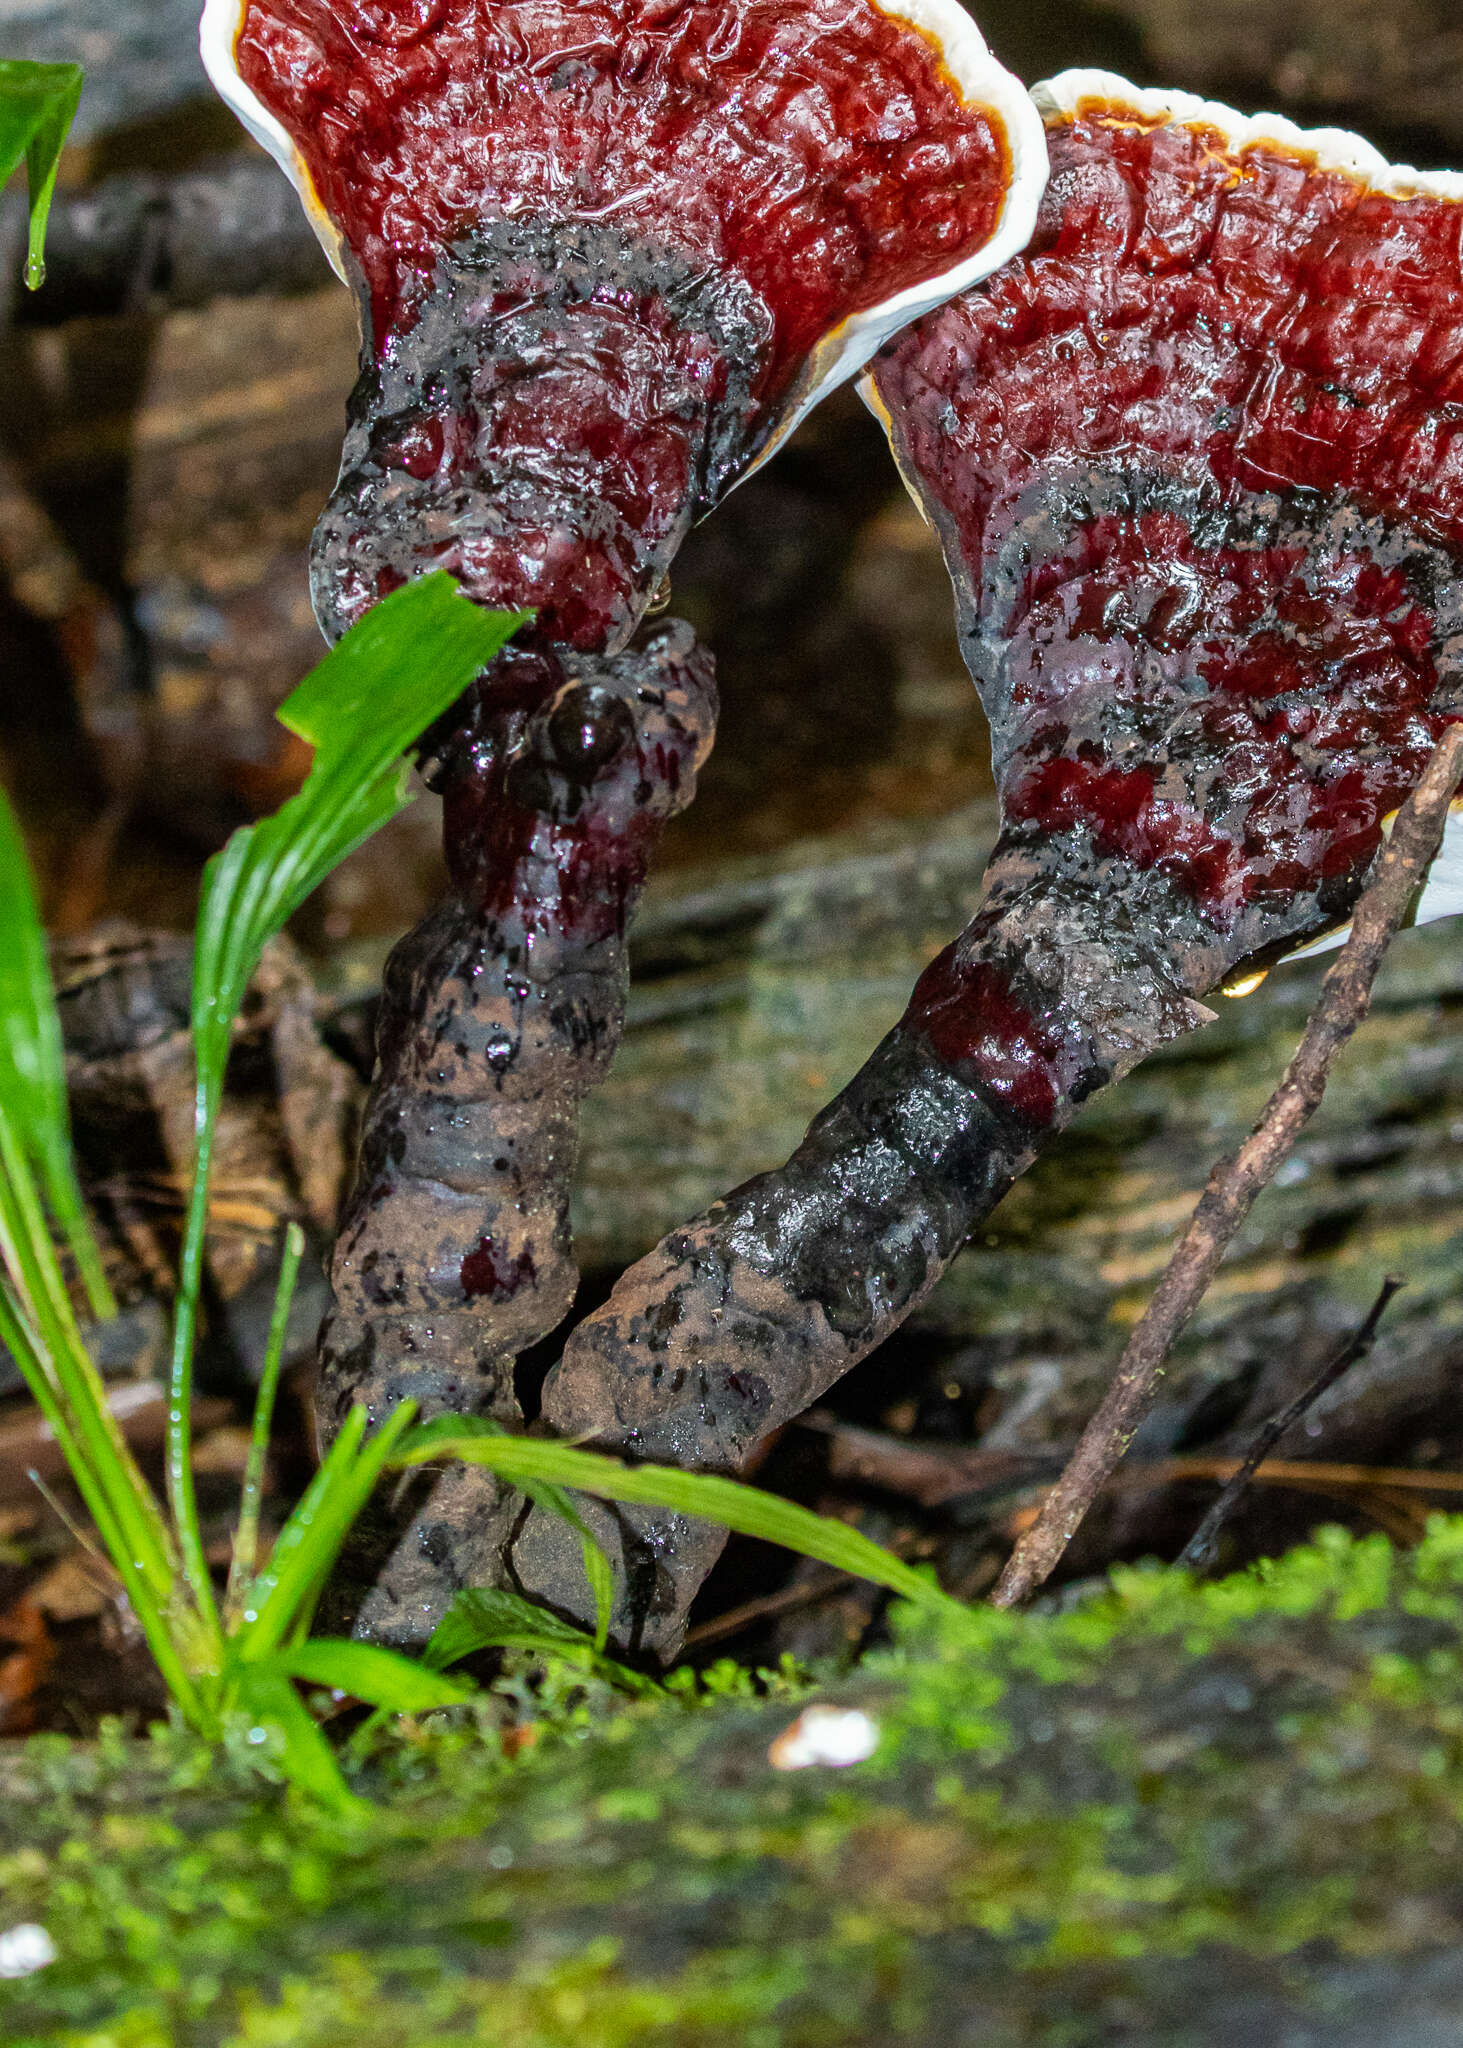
(737, 1322)
(499, 1014)
(606, 252)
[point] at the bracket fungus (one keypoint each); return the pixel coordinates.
(606, 254)
(1196, 460)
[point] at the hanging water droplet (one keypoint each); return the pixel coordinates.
(660, 598)
(1243, 982)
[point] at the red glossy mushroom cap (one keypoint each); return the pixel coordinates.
(721, 210)
(1196, 458)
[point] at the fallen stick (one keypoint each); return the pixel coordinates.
(1235, 1183)
(1202, 1546)
(1306, 1472)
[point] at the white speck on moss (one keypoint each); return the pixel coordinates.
(838, 1736)
(25, 1949)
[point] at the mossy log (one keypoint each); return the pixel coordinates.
(1174, 1817)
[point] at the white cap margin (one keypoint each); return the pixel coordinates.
(1333, 149)
(982, 82)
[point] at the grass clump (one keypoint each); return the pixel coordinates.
(239, 1659)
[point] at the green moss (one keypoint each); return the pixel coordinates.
(1214, 1808)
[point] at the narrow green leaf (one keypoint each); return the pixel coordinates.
(36, 1158)
(246, 1535)
(598, 1570)
(282, 1599)
(37, 106)
(487, 1618)
(555, 1501)
(33, 1061)
(483, 1617)
(523, 1459)
(384, 1678)
(268, 1696)
(132, 1531)
(400, 668)
(601, 1577)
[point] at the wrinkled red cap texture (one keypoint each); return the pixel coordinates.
(1198, 462)
(815, 146)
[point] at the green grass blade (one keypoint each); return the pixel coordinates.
(483, 1617)
(400, 668)
(37, 106)
(246, 1535)
(383, 1678)
(601, 1577)
(597, 1568)
(136, 1544)
(523, 1459)
(269, 1697)
(266, 1613)
(487, 1618)
(282, 1600)
(32, 1059)
(555, 1501)
(65, 1381)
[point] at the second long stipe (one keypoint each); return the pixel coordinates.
(1235, 1183)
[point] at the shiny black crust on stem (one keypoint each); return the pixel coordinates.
(740, 1320)
(500, 1012)
(565, 403)
(1082, 959)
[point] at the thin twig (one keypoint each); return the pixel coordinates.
(929, 1474)
(1204, 1543)
(787, 1600)
(1235, 1183)
(1311, 1472)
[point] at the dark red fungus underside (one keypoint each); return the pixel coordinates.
(816, 147)
(1276, 342)
(1198, 460)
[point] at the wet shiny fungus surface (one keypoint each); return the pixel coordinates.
(1198, 461)
(816, 147)
(598, 240)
